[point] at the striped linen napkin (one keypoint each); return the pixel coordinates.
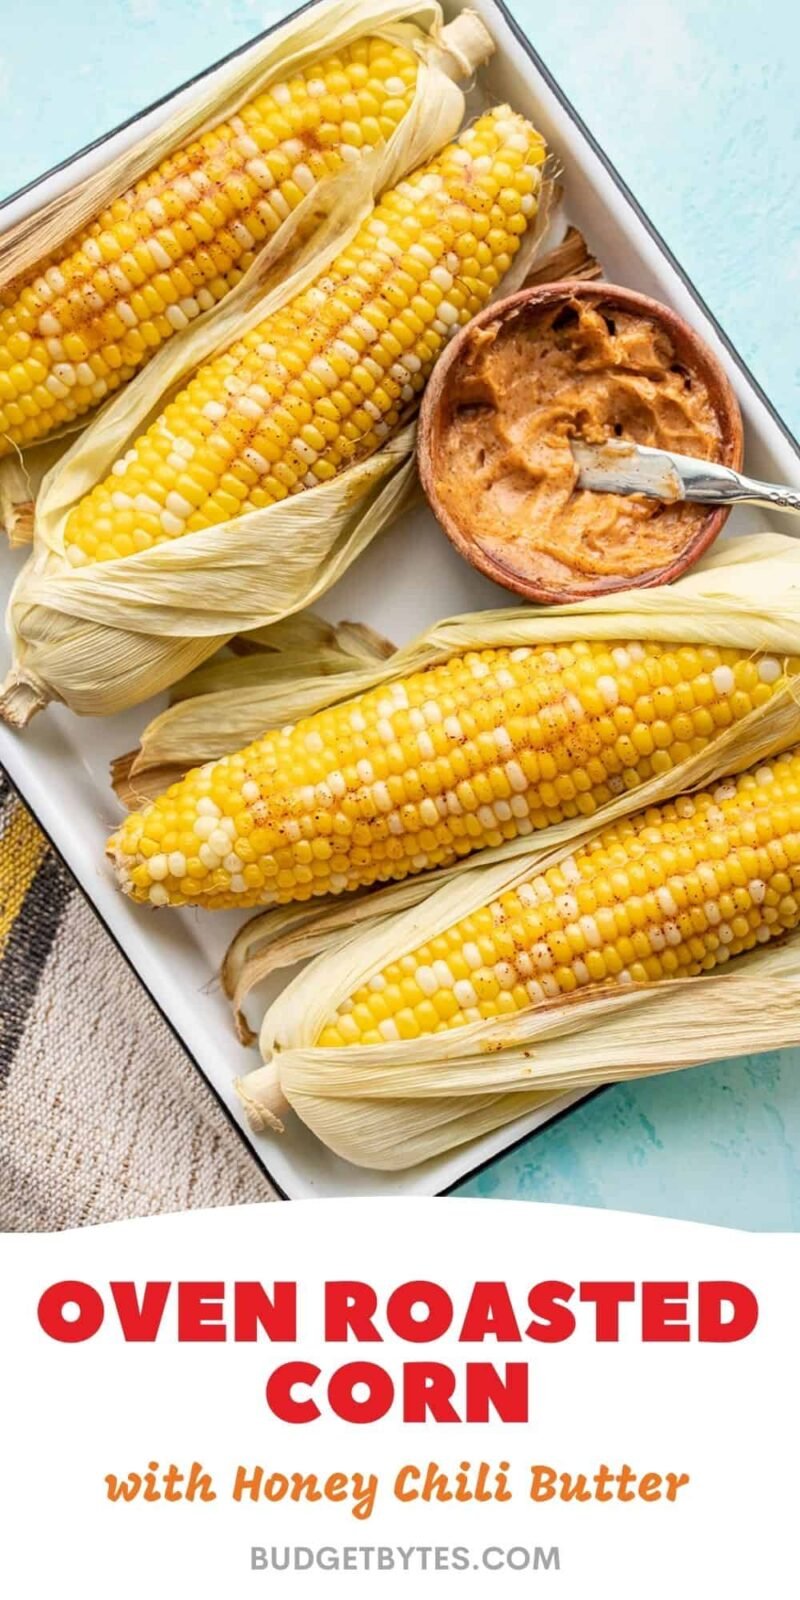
(102, 1115)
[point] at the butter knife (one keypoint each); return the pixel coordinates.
(620, 467)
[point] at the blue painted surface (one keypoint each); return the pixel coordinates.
(696, 103)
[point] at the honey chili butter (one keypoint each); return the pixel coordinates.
(543, 368)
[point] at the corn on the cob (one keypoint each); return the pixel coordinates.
(321, 382)
(477, 750)
(670, 893)
(172, 246)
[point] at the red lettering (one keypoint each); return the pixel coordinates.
(254, 1309)
(53, 1302)
(200, 1313)
(140, 1322)
(374, 1405)
(490, 1314)
(414, 1330)
(349, 1309)
(428, 1388)
(658, 1300)
(553, 1321)
(711, 1329)
(607, 1298)
(507, 1395)
(280, 1398)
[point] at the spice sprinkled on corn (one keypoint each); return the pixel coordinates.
(479, 749)
(324, 381)
(182, 237)
(671, 893)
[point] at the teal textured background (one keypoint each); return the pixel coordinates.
(696, 103)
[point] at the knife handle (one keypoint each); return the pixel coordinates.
(768, 494)
(710, 483)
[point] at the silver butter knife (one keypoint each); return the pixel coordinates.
(620, 467)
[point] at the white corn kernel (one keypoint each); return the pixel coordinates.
(176, 503)
(159, 255)
(769, 670)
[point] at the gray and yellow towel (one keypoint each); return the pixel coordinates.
(34, 893)
(98, 1120)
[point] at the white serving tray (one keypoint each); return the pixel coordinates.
(408, 579)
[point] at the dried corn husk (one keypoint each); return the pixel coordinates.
(301, 645)
(105, 636)
(569, 259)
(455, 51)
(21, 477)
(745, 595)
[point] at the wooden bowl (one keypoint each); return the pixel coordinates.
(690, 351)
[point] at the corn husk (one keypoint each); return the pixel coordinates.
(105, 636)
(571, 258)
(455, 51)
(21, 477)
(393, 1106)
(389, 1106)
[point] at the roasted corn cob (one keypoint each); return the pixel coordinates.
(177, 242)
(479, 749)
(320, 383)
(670, 893)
